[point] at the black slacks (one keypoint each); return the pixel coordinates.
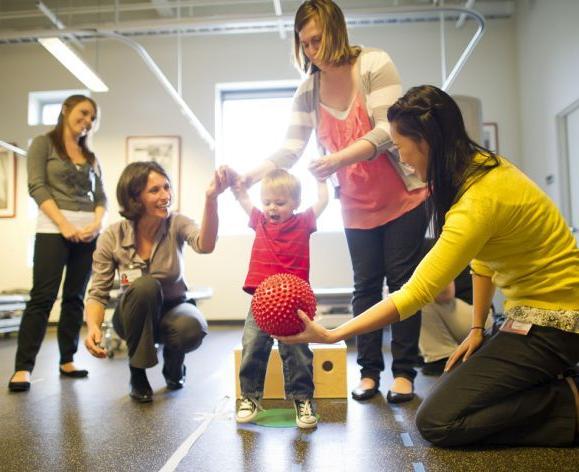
(143, 318)
(52, 253)
(390, 251)
(510, 392)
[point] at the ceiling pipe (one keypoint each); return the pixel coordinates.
(255, 23)
(56, 22)
(469, 4)
(279, 14)
(156, 70)
(108, 8)
(468, 49)
(442, 44)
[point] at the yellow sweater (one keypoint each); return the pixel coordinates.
(508, 229)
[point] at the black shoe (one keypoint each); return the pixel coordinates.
(18, 386)
(75, 374)
(434, 368)
(394, 397)
(360, 393)
(176, 384)
(141, 390)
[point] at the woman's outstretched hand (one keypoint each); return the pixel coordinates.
(466, 349)
(221, 180)
(313, 333)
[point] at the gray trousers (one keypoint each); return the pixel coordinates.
(143, 318)
(510, 392)
(444, 326)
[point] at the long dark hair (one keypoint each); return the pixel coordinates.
(427, 113)
(57, 134)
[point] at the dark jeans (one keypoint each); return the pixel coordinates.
(390, 251)
(143, 318)
(52, 253)
(510, 392)
(297, 361)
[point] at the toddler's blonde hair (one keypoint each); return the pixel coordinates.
(281, 180)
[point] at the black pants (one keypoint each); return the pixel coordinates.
(393, 251)
(510, 392)
(143, 318)
(52, 253)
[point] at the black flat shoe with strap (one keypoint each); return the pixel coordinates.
(75, 374)
(395, 397)
(360, 393)
(18, 386)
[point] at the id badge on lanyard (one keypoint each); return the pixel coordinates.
(128, 275)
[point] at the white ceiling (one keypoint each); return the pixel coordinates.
(21, 19)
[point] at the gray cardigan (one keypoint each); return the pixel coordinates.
(50, 177)
(117, 251)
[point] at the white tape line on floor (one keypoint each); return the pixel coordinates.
(406, 440)
(184, 448)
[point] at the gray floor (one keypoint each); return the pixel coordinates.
(91, 424)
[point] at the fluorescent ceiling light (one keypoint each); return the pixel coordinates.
(69, 59)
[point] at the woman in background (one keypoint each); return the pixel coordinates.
(64, 178)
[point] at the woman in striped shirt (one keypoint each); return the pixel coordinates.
(344, 99)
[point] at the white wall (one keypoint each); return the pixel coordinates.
(136, 105)
(548, 45)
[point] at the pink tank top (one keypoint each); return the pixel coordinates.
(371, 192)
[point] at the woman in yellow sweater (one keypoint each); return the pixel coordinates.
(518, 387)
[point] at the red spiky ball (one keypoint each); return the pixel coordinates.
(276, 301)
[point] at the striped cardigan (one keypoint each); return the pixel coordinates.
(380, 85)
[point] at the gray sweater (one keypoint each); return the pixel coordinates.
(117, 251)
(50, 177)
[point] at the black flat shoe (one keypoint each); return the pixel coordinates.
(141, 394)
(394, 397)
(176, 384)
(75, 374)
(360, 393)
(141, 390)
(18, 386)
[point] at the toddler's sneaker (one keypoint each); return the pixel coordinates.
(305, 414)
(247, 410)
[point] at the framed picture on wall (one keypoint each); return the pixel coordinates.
(7, 183)
(165, 150)
(490, 137)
